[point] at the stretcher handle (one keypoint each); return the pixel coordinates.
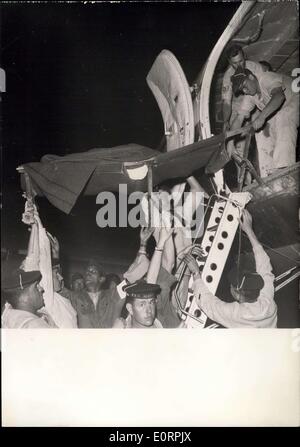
(241, 131)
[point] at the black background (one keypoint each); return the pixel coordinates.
(76, 79)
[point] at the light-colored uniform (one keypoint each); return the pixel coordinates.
(260, 314)
(235, 101)
(21, 319)
(126, 323)
(277, 142)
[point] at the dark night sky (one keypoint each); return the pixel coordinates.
(76, 76)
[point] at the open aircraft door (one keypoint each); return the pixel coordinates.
(168, 84)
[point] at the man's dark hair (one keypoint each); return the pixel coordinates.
(238, 78)
(95, 262)
(233, 51)
(250, 295)
(246, 281)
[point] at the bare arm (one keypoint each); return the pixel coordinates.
(140, 264)
(154, 267)
(168, 256)
(262, 260)
(226, 108)
(276, 101)
(236, 124)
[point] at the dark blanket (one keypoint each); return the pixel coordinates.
(63, 179)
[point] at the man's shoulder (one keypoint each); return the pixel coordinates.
(17, 319)
(269, 78)
(255, 67)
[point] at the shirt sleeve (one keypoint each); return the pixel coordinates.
(255, 67)
(269, 81)
(264, 269)
(217, 310)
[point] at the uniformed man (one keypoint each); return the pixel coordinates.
(24, 299)
(271, 94)
(253, 291)
(236, 59)
(141, 301)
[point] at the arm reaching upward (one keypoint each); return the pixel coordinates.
(140, 265)
(154, 267)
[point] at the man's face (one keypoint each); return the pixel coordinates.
(93, 277)
(36, 295)
(249, 87)
(143, 312)
(237, 61)
(58, 281)
(78, 284)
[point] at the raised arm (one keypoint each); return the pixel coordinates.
(262, 260)
(140, 265)
(155, 264)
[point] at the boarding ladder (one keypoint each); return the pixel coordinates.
(216, 243)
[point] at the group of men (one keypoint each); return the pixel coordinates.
(252, 92)
(144, 298)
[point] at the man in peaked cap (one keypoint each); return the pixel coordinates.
(253, 291)
(141, 299)
(24, 298)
